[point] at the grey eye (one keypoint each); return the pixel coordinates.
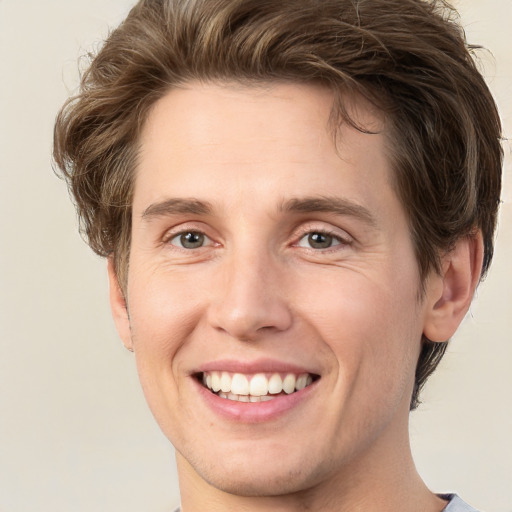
(189, 240)
(318, 240)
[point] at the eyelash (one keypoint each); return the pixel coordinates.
(306, 231)
(184, 232)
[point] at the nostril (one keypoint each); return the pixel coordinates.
(248, 310)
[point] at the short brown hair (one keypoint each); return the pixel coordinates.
(407, 57)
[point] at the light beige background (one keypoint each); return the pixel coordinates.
(75, 433)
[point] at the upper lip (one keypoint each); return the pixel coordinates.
(256, 366)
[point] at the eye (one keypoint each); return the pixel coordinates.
(319, 240)
(190, 240)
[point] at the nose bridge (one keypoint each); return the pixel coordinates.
(250, 298)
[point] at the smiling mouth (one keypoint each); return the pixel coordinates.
(259, 387)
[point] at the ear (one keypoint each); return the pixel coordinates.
(449, 295)
(119, 307)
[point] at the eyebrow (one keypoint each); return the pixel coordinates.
(176, 206)
(335, 205)
(325, 204)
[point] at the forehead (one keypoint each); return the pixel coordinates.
(213, 139)
(197, 106)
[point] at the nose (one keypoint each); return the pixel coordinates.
(250, 300)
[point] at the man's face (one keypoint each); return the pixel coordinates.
(263, 255)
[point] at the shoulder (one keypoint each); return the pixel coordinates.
(455, 504)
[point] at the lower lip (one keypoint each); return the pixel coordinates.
(254, 412)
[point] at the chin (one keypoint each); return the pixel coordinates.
(247, 484)
(269, 476)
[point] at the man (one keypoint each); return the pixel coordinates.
(297, 200)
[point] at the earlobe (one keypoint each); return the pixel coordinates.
(118, 307)
(449, 295)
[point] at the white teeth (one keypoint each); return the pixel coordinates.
(275, 384)
(215, 382)
(289, 384)
(243, 388)
(240, 384)
(301, 381)
(225, 382)
(259, 385)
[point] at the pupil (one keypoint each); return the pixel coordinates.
(320, 240)
(192, 240)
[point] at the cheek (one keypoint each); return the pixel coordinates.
(372, 327)
(163, 312)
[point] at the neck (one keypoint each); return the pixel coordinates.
(384, 478)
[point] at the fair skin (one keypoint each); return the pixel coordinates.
(261, 248)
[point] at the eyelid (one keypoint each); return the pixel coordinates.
(313, 227)
(183, 228)
(336, 241)
(208, 241)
